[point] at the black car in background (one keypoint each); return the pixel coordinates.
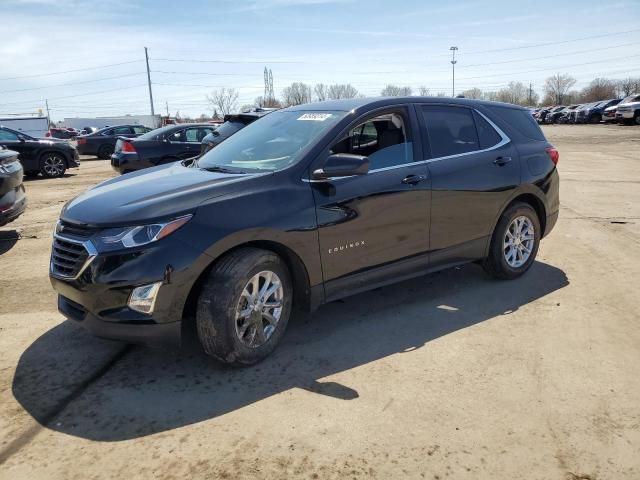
(553, 114)
(594, 112)
(102, 143)
(232, 124)
(308, 205)
(47, 156)
(162, 145)
(13, 200)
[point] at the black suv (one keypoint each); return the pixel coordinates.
(50, 157)
(305, 206)
(232, 124)
(12, 197)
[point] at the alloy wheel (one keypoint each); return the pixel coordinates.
(518, 241)
(53, 165)
(259, 309)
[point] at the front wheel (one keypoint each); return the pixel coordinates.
(53, 165)
(514, 244)
(636, 118)
(244, 306)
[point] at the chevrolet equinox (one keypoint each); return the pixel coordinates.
(304, 206)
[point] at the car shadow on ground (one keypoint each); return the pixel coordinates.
(148, 391)
(8, 238)
(40, 178)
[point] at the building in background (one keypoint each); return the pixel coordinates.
(102, 122)
(32, 126)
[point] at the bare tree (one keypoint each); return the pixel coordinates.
(261, 102)
(557, 86)
(442, 94)
(628, 86)
(225, 100)
(474, 93)
(515, 93)
(396, 91)
(424, 91)
(247, 107)
(342, 90)
(320, 90)
(599, 89)
(296, 94)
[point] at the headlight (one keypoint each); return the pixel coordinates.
(128, 237)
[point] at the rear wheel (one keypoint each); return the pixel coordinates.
(105, 151)
(515, 242)
(636, 118)
(244, 306)
(53, 165)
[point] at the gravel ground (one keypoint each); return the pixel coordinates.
(447, 376)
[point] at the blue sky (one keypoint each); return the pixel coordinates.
(196, 46)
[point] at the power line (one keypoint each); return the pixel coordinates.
(221, 61)
(70, 71)
(76, 95)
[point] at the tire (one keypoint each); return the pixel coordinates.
(105, 151)
(228, 292)
(52, 165)
(500, 263)
(636, 118)
(596, 118)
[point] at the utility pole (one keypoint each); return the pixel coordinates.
(167, 105)
(530, 94)
(453, 70)
(46, 102)
(153, 114)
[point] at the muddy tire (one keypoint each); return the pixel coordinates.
(244, 306)
(105, 151)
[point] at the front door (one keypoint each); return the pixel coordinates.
(375, 227)
(25, 148)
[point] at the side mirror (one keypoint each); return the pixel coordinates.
(342, 165)
(21, 138)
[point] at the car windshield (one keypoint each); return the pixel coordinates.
(271, 143)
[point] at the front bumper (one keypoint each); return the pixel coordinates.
(128, 162)
(73, 159)
(98, 297)
(625, 115)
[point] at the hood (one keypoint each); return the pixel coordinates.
(148, 195)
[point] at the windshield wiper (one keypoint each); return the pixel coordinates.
(218, 168)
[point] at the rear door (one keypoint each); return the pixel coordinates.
(185, 143)
(474, 169)
(374, 228)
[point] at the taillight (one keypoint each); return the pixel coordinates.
(127, 147)
(82, 141)
(48, 134)
(554, 155)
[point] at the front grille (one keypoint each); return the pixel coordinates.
(68, 258)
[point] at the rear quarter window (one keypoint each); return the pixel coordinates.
(519, 120)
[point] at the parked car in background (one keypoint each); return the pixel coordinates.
(13, 199)
(308, 205)
(88, 130)
(50, 157)
(162, 145)
(102, 142)
(609, 114)
(554, 113)
(61, 133)
(628, 110)
(594, 113)
(565, 116)
(232, 124)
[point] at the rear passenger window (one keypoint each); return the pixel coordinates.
(451, 130)
(521, 120)
(486, 133)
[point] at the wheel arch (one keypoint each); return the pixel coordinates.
(299, 275)
(530, 198)
(48, 150)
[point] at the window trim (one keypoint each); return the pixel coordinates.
(504, 141)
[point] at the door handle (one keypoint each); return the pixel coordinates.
(414, 179)
(501, 161)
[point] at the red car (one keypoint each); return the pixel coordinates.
(64, 133)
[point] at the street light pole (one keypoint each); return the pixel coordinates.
(453, 70)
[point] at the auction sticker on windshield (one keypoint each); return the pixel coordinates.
(315, 117)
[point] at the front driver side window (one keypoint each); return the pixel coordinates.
(384, 139)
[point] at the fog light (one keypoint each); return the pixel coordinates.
(143, 298)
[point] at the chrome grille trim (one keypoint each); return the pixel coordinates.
(70, 257)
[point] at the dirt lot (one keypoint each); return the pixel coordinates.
(448, 376)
